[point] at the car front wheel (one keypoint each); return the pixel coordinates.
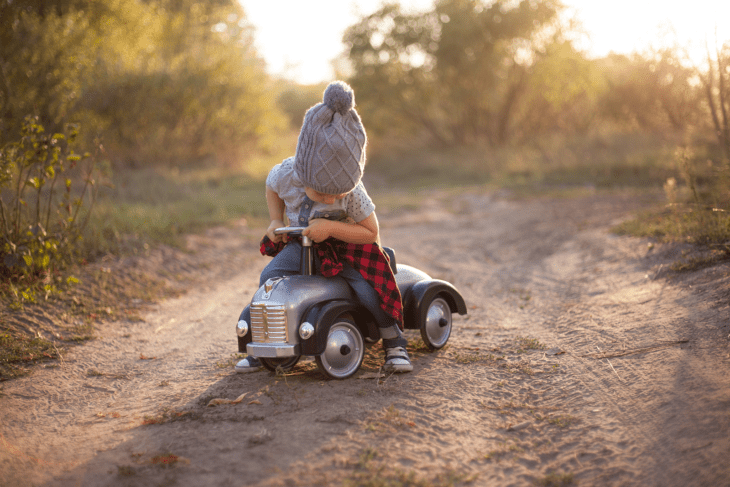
(344, 351)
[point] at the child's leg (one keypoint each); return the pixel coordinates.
(394, 343)
(286, 263)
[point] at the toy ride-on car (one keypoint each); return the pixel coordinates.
(313, 315)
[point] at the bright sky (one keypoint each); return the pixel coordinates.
(300, 39)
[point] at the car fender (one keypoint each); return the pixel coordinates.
(244, 340)
(323, 315)
(418, 296)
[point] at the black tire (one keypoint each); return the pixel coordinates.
(284, 364)
(344, 351)
(436, 327)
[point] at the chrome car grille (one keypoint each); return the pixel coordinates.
(268, 323)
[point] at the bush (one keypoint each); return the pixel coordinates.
(46, 196)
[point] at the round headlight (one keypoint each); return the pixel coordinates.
(306, 330)
(242, 328)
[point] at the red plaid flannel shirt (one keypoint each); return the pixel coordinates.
(368, 259)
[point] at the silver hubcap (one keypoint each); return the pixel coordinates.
(344, 350)
(438, 323)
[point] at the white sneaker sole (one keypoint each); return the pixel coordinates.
(398, 368)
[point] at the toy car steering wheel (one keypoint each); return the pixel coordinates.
(294, 231)
(288, 231)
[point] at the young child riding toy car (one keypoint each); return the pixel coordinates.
(333, 228)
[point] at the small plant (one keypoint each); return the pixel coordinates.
(502, 450)
(366, 456)
(125, 471)
(527, 343)
(230, 362)
(47, 197)
(166, 460)
(524, 295)
(562, 421)
(389, 419)
(477, 356)
(16, 351)
(555, 480)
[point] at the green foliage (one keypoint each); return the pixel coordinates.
(294, 100)
(716, 82)
(45, 62)
(195, 91)
(44, 186)
(556, 480)
(16, 351)
(697, 211)
(162, 82)
(160, 205)
(654, 91)
(562, 94)
(458, 72)
(507, 73)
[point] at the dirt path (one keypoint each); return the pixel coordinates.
(581, 362)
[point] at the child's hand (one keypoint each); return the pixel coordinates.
(319, 229)
(270, 231)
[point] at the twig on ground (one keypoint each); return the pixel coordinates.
(281, 371)
(632, 351)
(384, 377)
(60, 357)
(576, 459)
(609, 363)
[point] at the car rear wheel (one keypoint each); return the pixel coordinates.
(344, 351)
(436, 328)
(283, 364)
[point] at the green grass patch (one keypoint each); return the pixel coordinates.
(527, 343)
(683, 223)
(230, 362)
(160, 206)
(19, 351)
(605, 160)
(697, 209)
(555, 480)
(371, 470)
(697, 262)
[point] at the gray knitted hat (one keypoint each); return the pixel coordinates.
(330, 153)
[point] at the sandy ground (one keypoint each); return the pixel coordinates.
(582, 361)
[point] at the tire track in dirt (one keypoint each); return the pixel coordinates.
(623, 310)
(522, 394)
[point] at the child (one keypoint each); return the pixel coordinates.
(320, 188)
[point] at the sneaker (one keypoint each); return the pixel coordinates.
(396, 360)
(249, 364)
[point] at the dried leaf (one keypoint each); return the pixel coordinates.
(219, 401)
(519, 426)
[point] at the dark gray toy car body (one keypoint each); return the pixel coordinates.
(312, 315)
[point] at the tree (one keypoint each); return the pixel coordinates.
(163, 81)
(458, 72)
(652, 91)
(716, 83)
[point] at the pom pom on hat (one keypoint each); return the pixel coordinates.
(339, 97)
